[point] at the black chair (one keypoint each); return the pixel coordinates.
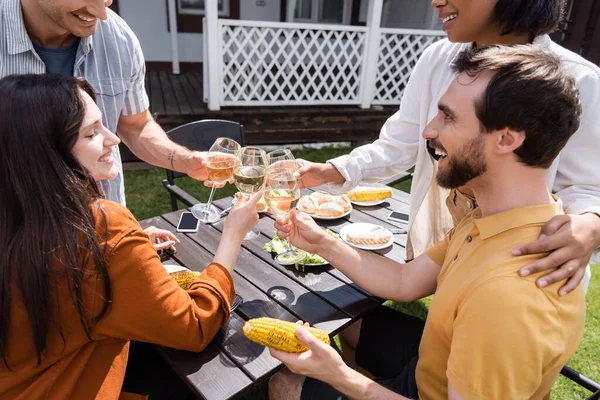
(199, 136)
(583, 381)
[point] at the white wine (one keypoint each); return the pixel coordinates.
(220, 168)
(249, 179)
(282, 201)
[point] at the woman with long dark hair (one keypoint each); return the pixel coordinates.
(79, 278)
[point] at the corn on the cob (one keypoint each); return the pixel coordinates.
(369, 194)
(279, 334)
(185, 278)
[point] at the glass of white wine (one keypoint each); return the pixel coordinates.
(220, 163)
(249, 176)
(281, 195)
(282, 158)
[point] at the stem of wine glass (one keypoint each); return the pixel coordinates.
(289, 245)
(208, 204)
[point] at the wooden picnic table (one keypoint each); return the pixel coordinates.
(322, 296)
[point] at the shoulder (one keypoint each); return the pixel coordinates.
(443, 51)
(113, 222)
(434, 66)
(575, 64)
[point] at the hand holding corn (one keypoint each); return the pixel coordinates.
(320, 361)
(279, 334)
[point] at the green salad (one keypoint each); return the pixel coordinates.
(278, 245)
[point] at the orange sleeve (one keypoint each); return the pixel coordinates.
(148, 305)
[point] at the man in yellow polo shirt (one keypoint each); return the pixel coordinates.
(490, 334)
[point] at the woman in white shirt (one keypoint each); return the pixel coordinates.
(573, 176)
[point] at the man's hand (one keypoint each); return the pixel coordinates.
(194, 165)
(313, 174)
(301, 231)
(161, 238)
(320, 361)
(571, 239)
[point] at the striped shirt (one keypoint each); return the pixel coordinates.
(111, 60)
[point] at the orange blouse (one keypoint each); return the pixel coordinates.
(147, 305)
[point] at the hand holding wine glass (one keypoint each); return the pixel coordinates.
(281, 195)
(250, 174)
(221, 161)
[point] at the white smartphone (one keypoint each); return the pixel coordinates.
(398, 216)
(188, 223)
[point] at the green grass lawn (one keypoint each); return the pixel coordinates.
(146, 198)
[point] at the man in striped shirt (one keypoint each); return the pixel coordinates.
(85, 38)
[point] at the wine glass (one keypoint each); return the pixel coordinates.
(221, 160)
(281, 195)
(249, 176)
(282, 158)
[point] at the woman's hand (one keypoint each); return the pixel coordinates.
(301, 231)
(161, 239)
(571, 239)
(243, 216)
(312, 174)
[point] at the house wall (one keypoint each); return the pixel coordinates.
(148, 19)
(409, 14)
(265, 10)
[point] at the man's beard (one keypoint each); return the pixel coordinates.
(461, 169)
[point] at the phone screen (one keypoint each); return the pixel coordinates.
(188, 222)
(398, 216)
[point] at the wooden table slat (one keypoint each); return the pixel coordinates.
(317, 278)
(287, 292)
(205, 372)
(251, 357)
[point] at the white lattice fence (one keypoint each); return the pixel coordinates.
(290, 64)
(399, 51)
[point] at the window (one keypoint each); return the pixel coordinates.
(320, 11)
(196, 7)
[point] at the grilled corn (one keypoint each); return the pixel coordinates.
(185, 278)
(369, 194)
(279, 334)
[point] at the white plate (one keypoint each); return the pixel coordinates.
(315, 216)
(363, 227)
(368, 203)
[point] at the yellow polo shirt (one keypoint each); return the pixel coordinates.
(490, 332)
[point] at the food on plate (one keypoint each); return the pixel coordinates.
(323, 204)
(378, 237)
(330, 209)
(308, 204)
(321, 197)
(278, 245)
(365, 194)
(279, 334)
(343, 201)
(185, 278)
